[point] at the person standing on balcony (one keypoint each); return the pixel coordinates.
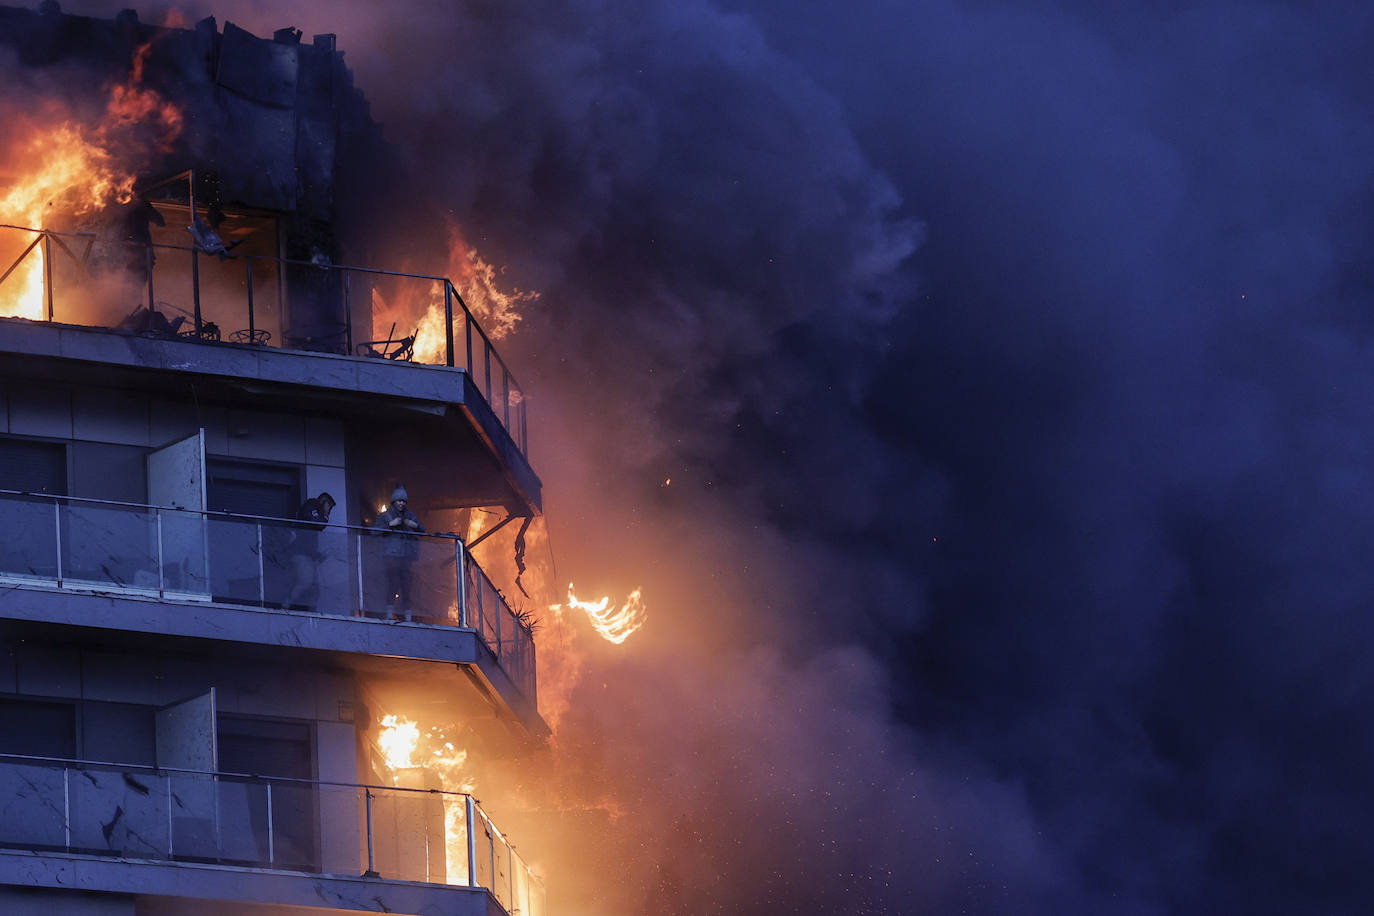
(305, 552)
(399, 552)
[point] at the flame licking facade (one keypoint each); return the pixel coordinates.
(193, 687)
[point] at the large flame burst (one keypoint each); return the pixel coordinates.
(62, 167)
(405, 746)
(615, 624)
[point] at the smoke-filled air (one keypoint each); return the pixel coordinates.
(955, 428)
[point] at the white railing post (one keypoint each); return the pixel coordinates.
(481, 603)
(161, 585)
(57, 524)
(371, 862)
(262, 571)
(472, 843)
(460, 565)
(358, 539)
(486, 353)
(496, 612)
(67, 808)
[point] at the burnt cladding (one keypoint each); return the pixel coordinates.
(273, 127)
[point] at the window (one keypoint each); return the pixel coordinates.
(33, 467)
(37, 728)
(265, 747)
(245, 488)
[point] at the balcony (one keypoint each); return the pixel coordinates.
(367, 843)
(221, 561)
(254, 303)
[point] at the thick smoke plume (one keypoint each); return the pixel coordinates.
(1037, 585)
(688, 207)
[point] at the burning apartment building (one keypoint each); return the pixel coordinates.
(209, 701)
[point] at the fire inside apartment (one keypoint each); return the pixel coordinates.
(262, 500)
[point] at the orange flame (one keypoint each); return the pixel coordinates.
(615, 625)
(75, 172)
(417, 306)
(400, 741)
(477, 281)
(397, 742)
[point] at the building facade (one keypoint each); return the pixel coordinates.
(193, 680)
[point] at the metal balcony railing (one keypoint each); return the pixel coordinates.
(174, 815)
(99, 545)
(250, 300)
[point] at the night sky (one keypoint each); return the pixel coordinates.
(1011, 365)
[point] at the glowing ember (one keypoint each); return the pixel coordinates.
(615, 624)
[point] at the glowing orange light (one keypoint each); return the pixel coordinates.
(614, 624)
(405, 747)
(397, 741)
(71, 170)
(419, 308)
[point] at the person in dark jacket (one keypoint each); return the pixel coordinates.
(399, 551)
(305, 551)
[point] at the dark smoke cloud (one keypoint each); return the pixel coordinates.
(1141, 368)
(1039, 545)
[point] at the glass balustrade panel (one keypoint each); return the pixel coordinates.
(238, 551)
(33, 810)
(408, 836)
(242, 822)
(105, 546)
(119, 812)
(409, 577)
(343, 830)
(183, 541)
(29, 551)
(194, 817)
(486, 850)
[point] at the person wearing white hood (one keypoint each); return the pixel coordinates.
(399, 552)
